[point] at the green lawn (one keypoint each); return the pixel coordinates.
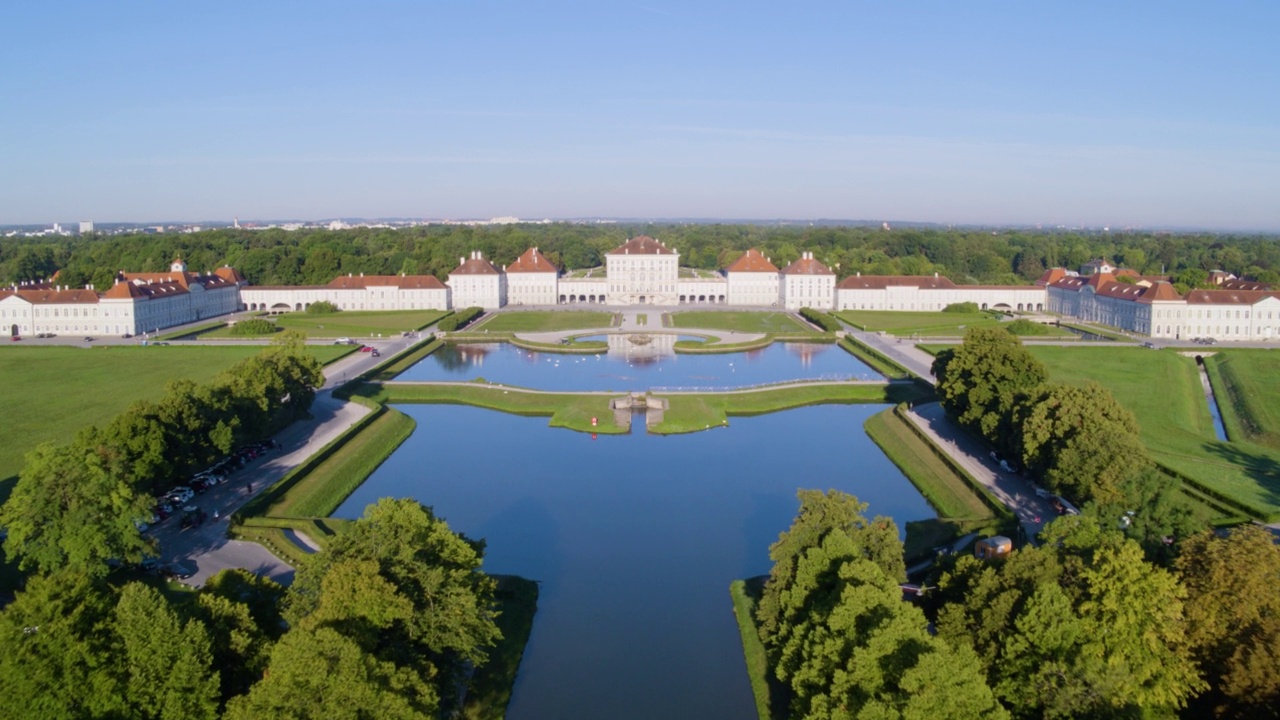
(945, 490)
(1245, 382)
(51, 393)
(546, 321)
(691, 413)
(1163, 390)
(920, 323)
(740, 321)
(568, 410)
(353, 324)
(770, 694)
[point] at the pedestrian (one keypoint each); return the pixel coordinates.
(215, 514)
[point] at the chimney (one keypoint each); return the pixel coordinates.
(462, 261)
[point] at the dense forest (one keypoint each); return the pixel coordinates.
(967, 256)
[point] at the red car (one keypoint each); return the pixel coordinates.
(15, 338)
(366, 348)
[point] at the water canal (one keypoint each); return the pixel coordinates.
(638, 362)
(634, 540)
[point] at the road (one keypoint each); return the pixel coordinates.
(207, 549)
(1015, 491)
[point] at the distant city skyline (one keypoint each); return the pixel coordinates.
(1138, 115)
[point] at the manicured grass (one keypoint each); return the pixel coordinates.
(1162, 389)
(1245, 382)
(568, 410)
(920, 323)
(770, 694)
(546, 321)
(51, 393)
(322, 488)
(353, 324)
(702, 411)
(872, 357)
(945, 490)
(493, 682)
(740, 321)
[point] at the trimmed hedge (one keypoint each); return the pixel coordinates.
(459, 319)
(962, 307)
(821, 319)
(254, 326)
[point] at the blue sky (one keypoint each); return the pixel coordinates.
(1121, 114)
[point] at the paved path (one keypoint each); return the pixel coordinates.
(207, 549)
(905, 354)
(1015, 491)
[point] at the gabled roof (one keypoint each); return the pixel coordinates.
(123, 291)
(752, 261)
(1238, 284)
(1052, 275)
(57, 296)
(474, 265)
(880, 282)
(404, 282)
(642, 245)
(230, 274)
(532, 261)
(806, 265)
(1230, 297)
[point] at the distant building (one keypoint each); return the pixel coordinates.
(86, 227)
(353, 292)
(477, 283)
(923, 293)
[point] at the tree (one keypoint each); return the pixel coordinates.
(822, 514)
(74, 508)
(323, 675)
(1079, 439)
(402, 586)
(1233, 618)
(170, 676)
(1080, 626)
(57, 659)
(979, 382)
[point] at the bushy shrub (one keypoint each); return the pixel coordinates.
(322, 307)
(1027, 327)
(821, 319)
(459, 319)
(963, 307)
(254, 326)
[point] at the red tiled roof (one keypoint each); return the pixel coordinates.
(474, 265)
(404, 282)
(1229, 297)
(752, 261)
(642, 245)
(52, 296)
(230, 274)
(1051, 276)
(879, 282)
(532, 261)
(1243, 285)
(160, 277)
(123, 291)
(806, 265)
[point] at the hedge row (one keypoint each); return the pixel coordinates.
(821, 319)
(459, 319)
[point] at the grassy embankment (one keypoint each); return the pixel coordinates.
(545, 321)
(702, 411)
(932, 324)
(567, 410)
(354, 324)
(492, 685)
(1162, 389)
(771, 696)
(770, 326)
(875, 359)
(962, 503)
(1244, 382)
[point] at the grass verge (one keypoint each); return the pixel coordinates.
(350, 323)
(770, 695)
(948, 492)
(740, 321)
(568, 410)
(874, 358)
(546, 321)
(702, 411)
(1248, 396)
(492, 685)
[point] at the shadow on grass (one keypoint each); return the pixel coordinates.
(1258, 464)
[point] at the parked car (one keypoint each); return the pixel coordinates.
(15, 338)
(1008, 467)
(343, 341)
(375, 353)
(88, 339)
(183, 494)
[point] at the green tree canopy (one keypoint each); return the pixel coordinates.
(979, 381)
(1233, 618)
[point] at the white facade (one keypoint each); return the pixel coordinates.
(808, 283)
(532, 280)
(477, 283)
(353, 292)
(642, 271)
(931, 294)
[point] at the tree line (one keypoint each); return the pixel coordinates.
(312, 257)
(1083, 625)
(75, 505)
(387, 622)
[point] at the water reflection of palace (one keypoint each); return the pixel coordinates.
(805, 351)
(642, 347)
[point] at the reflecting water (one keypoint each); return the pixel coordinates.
(637, 366)
(634, 540)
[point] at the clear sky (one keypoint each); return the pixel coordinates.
(1099, 113)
